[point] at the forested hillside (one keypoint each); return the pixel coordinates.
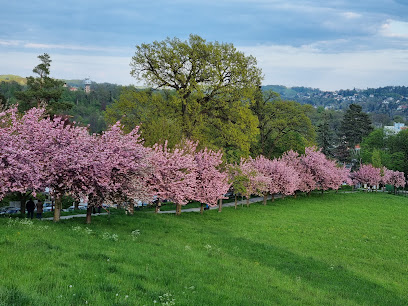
(84, 108)
(384, 103)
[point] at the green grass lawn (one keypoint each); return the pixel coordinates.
(332, 249)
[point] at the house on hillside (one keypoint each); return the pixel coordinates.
(395, 129)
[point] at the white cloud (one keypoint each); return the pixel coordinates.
(284, 65)
(113, 69)
(393, 28)
(67, 47)
(9, 43)
(303, 66)
(351, 15)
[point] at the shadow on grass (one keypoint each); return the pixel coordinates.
(335, 280)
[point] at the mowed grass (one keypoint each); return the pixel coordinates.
(333, 249)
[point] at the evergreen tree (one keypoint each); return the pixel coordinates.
(355, 125)
(325, 135)
(43, 90)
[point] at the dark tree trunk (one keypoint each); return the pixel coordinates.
(76, 205)
(88, 214)
(295, 195)
(272, 197)
(23, 200)
(202, 208)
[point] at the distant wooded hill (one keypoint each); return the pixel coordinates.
(13, 78)
(390, 100)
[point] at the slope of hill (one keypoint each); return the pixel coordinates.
(10, 78)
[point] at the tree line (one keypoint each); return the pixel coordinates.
(39, 151)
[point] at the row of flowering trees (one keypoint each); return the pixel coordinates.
(291, 173)
(38, 152)
(374, 177)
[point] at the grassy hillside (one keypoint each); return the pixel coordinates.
(335, 249)
(9, 78)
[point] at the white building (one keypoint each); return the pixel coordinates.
(394, 129)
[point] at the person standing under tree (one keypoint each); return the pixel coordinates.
(30, 206)
(39, 206)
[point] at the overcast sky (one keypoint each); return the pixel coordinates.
(326, 44)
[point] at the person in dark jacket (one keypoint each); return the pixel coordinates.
(30, 206)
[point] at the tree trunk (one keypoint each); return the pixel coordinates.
(322, 191)
(202, 208)
(76, 205)
(295, 195)
(247, 201)
(23, 200)
(236, 201)
(57, 209)
(273, 197)
(178, 209)
(264, 199)
(88, 214)
(131, 207)
(158, 205)
(220, 205)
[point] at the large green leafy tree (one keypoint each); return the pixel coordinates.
(213, 84)
(283, 125)
(154, 111)
(387, 150)
(355, 125)
(43, 90)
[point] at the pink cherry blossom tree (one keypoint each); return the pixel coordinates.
(64, 151)
(284, 178)
(257, 183)
(19, 164)
(367, 174)
(118, 169)
(395, 178)
(307, 181)
(211, 184)
(280, 177)
(326, 173)
(174, 176)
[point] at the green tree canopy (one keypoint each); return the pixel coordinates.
(283, 125)
(213, 86)
(154, 111)
(390, 151)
